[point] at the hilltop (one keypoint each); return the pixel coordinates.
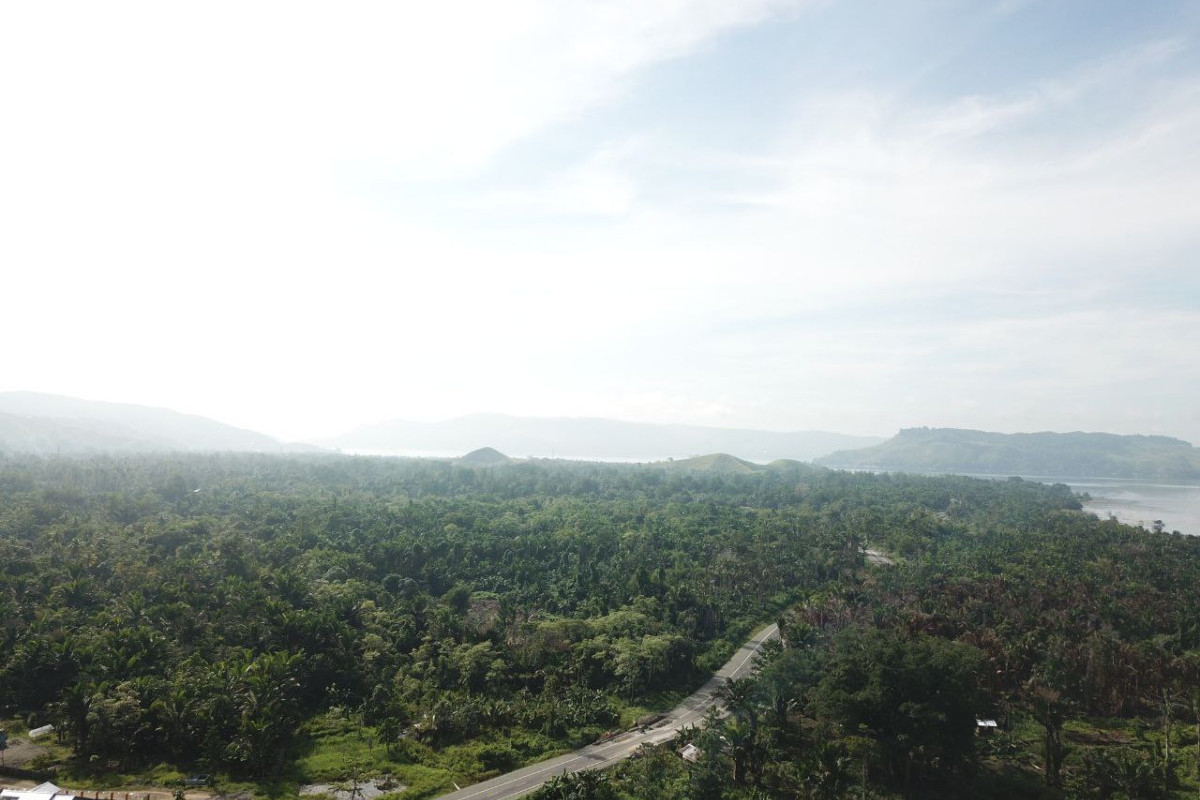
(722, 463)
(587, 437)
(1091, 455)
(484, 456)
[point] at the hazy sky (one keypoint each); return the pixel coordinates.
(836, 214)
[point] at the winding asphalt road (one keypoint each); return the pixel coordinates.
(597, 756)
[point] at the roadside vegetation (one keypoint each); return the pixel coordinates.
(277, 621)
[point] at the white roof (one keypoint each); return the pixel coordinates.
(41, 792)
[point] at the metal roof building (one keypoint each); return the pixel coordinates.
(45, 791)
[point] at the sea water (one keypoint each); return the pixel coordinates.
(1177, 506)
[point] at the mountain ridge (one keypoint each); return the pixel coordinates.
(1047, 454)
(50, 424)
(590, 437)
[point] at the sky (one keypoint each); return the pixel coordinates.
(840, 215)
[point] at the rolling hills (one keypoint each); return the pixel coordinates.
(589, 438)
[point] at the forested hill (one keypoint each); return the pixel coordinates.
(1083, 455)
(47, 424)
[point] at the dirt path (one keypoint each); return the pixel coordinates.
(20, 751)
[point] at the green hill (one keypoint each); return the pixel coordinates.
(484, 457)
(722, 463)
(1080, 455)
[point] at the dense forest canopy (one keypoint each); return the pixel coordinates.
(235, 614)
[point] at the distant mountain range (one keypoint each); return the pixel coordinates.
(589, 438)
(1077, 455)
(720, 463)
(49, 424)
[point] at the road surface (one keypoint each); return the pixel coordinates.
(597, 756)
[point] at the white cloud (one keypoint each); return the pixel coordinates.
(176, 183)
(601, 184)
(422, 88)
(142, 129)
(187, 223)
(886, 193)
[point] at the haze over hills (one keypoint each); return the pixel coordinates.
(26, 434)
(484, 457)
(48, 424)
(31, 422)
(1080, 455)
(589, 438)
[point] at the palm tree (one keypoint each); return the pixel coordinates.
(740, 695)
(1048, 707)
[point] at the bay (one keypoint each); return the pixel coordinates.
(1177, 506)
(1132, 502)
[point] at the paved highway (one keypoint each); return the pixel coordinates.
(597, 756)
